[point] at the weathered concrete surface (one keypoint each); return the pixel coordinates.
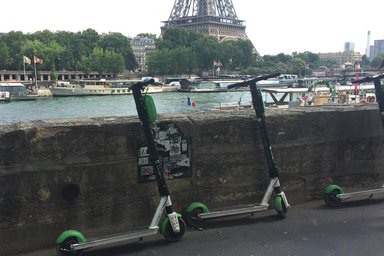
(38, 160)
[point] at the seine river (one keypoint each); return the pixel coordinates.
(119, 105)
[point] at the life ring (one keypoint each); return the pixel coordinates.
(371, 98)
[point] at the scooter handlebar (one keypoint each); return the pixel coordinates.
(140, 85)
(253, 80)
(368, 79)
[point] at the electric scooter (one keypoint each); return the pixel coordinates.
(72, 242)
(334, 195)
(197, 212)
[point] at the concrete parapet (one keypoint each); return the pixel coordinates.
(42, 163)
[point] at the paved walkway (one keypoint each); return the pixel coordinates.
(354, 229)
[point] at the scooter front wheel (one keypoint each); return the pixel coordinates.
(64, 248)
(170, 235)
(280, 207)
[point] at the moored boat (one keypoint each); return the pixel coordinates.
(97, 88)
(90, 88)
(17, 91)
(206, 86)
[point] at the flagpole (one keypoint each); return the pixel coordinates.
(34, 62)
(24, 67)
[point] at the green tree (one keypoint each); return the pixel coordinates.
(103, 61)
(44, 36)
(5, 56)
(15, 41)
(90, 38)
(183, 60)
(33, 48)
(159, 62)
(206, 51)
(114, 62)
(118, 43)
(73, 50)
(299, 66)
(173, 38)
(375, 63)
(365, 62)
(53, 53)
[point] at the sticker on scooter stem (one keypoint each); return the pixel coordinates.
(174, 150)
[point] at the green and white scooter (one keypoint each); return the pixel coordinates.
(334, 195)
(72, 242)
(197, 212)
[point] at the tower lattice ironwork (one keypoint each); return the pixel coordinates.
(211, 17)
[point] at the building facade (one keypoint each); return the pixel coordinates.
(349, 47)
(376, 49)
(142, 48)
(342, 57)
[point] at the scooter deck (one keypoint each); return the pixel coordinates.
(115, 239)
(369, 193)
(234, 211)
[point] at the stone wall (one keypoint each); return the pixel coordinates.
(42, 162)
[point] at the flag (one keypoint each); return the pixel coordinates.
(357, 78)
(26, 60)
(217, 63)
(190, 102)
(37, 60)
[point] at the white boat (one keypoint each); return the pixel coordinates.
(172, 87)
(206, 86)
(90, 88)
(17, 91)
(154, 89)
(97, 88)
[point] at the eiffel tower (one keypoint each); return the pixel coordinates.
(210, 17)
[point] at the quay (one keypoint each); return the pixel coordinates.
(42, 162)
(18, 75)
(311, 228)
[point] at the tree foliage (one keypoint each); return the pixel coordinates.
(190, 52)
(235, 55)
(84, 51)
(178, 51)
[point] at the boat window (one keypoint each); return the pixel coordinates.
(13, 89)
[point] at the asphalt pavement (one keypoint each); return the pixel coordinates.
(353, 229)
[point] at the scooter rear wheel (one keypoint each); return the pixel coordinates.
(64, 248)
(193, 218)
(170, 235)
(331, 198)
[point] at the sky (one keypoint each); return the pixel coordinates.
(273, 26)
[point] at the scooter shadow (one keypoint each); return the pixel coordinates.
(354, 203)
(130, 248)
(240, 220)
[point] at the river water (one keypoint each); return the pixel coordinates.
(118, 105)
